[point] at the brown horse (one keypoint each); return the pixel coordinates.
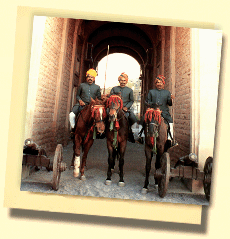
(117, 135)
(155, 142)
(89, 122)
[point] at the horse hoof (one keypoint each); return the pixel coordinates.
(144, 190)
(83, 178)
(108, 182)
(76, 174)
(121, 184)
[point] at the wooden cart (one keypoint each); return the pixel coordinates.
(37, 157)
(186, 167)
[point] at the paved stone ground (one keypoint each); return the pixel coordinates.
(134, 176)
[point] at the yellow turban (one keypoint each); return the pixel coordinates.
(91, 72)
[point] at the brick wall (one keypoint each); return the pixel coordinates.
(43, 131)
(182, 92)
(62, 131)
(167, 58)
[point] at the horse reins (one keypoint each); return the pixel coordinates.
(94, 123)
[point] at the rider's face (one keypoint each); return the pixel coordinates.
(122, 82)
(159, 84)
(90, 79)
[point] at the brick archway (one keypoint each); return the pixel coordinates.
(72, 46)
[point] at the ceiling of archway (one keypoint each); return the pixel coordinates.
(121, 37)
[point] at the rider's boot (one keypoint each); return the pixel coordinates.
(130, 133)
(130, 136)
(72, 117)
(140, 138)
(173, 142)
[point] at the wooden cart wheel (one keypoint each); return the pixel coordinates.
(207, 177)
(56, 166)
(164, 179)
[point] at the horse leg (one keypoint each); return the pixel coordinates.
(157, 165)
(77, 152)
(114, 155)
(87, 147)
(72, 163)
(110, 163)
(148, 155)
(160, 151)
(121, 151)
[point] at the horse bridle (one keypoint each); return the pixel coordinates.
(117, 111)
(88, 125)
(101, 120)
(147, 128)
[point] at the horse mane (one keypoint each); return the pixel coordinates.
(99, 102)
(153, 114)
(115, 99)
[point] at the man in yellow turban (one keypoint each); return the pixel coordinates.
(86, 91)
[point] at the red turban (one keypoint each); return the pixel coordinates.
(161, 78)
(123, 75)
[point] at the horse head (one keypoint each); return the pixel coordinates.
(114, 104)
(99, 115)
(152, 121)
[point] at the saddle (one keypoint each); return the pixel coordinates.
(79, 111)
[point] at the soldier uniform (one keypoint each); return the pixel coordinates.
(127, 98)
(86, 91)
(126, 94)
(161, 99)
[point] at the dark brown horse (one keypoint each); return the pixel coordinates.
(117, 135)
(155, 142)
(89, 122)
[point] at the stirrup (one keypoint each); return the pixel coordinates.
(72, 133)
(140, 140)
(174, 143)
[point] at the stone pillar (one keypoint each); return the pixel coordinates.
(205, 62)
(36, 49)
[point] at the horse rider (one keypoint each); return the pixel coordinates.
(86, 91)
(161, 98)
(126, 94)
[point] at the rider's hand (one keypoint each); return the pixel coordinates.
(172, 97)
(125, 109)
(81, 102)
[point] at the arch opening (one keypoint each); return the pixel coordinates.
(109, 68)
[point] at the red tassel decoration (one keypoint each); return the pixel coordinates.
(152, 140)
(117, 126)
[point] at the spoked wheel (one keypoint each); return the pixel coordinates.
(165, 171)
(207, 177)
(56, 166)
